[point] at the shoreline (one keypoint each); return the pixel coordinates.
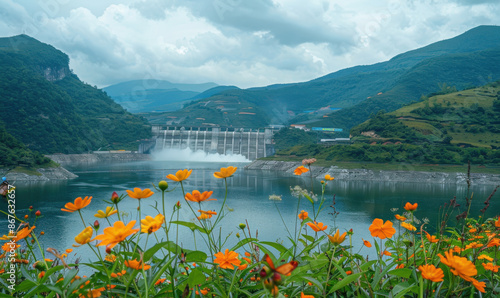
(378, 175)
(68, 159)
(42, 174)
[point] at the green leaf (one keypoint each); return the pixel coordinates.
(344, 282)
(25, 285)
(190, 225)
(401, 289)
(403, 272)
(308, 237)
(368, 264)
(196, 256)
(275, 245)
(196, 277)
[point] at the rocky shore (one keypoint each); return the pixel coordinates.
(65, 159)
(383, 176)
(43, 174)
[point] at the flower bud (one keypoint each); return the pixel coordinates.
(96, 225)
(238, 235)
(242, 226)
(42, 233)
(277, 278)
(108, 249)
(31, 208)
(38, 213)
(114, 197)
(178, 204)
(163, 185)
(26, 216)
(263, 273)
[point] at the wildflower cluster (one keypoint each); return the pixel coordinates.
(143, 257)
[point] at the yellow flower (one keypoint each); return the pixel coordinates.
(181, 175)
(110, 258)
(300, 170)
(431, 273)
(136, 265)
(408, 226)
(227, 260)
(198, 197)
(77, 205)
(116, 234)
(150, 225)
(225, 172)
(337, 238)
(84, 236)
(104, 214)
(329, 178)
(382, 230)
(139, 193)
(317, 226)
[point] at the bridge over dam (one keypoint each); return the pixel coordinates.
(251, 143)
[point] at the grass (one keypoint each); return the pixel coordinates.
(27, 171)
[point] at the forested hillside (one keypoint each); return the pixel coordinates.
(46, 107)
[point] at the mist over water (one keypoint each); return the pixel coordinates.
(198, 156)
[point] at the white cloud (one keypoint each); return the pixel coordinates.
(244, 43)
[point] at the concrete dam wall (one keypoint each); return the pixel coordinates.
(251, 143)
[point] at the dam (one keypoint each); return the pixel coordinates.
(251, 143)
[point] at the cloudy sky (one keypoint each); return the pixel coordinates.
(236, 42)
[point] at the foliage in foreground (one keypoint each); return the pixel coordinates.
(145, 260)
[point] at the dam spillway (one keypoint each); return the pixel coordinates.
(251, 143)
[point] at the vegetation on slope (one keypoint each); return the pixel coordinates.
(50, 110)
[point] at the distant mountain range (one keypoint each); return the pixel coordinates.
(140, 96)
(470, 59)
(46, 108)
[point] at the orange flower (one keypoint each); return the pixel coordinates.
(92, 293)
(160, 281)
(473, 245)
(227, 260)
(459, 265)
(84, 236)
(408, 226)
(303, 215)
(317, 226)
(116, 234)
(479, 285)
(399, 217)
(79, 204)
(225, 172)
(7, 246)
(337, 238)
(431, 273)
(302, 295)
(400, 266)
(136, 265)
(203, 291)
(23, 233)
(387, 253)
(382, 230)
(206, 214)
(199, 197)
(300, 170)
(150, 225)
(491, 267)
(494, 242)
(366, 243)
(181, 175)
(410, 207)
(497, 223)
(485, 257)
(432, 239)
(329, 178)
(139, 193)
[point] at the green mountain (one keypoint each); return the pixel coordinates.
(471, 59)
(46, 107)
(468, 118)
(139, 96)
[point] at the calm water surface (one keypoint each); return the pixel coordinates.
(358, 203)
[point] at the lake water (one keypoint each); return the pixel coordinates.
(358, 203)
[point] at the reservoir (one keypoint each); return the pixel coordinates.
(357, 203)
